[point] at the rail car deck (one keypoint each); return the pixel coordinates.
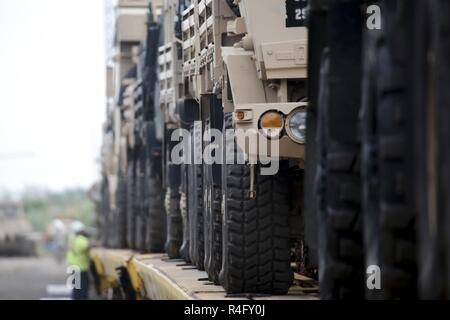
(156, 277)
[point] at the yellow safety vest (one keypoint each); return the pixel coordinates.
(77, 254)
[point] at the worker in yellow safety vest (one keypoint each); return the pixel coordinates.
(78, 260)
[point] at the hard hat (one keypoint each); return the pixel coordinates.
(77, 226)
(58, 225)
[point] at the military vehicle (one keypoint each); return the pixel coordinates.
(131, 149)
(244, 68)
(258, 138)
(15, 231)
(219, 66)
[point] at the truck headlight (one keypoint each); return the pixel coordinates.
(271, 123)
(296, 126)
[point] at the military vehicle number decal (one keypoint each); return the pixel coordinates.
(297, 11)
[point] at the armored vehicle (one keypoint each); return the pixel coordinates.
(15, 231)
(256, 139)
(206, 80)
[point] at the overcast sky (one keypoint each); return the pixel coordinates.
(51, 92)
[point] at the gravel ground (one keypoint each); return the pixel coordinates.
(28, 278)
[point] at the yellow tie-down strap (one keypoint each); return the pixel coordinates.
(106, 262)
(136, 280)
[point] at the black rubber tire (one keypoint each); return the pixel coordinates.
(341, 261)
(188, 111)
(131, 198)
(207, 226)
(215, 234)
(340, 236)
(121, 204)
(388, 179)
(140, 203)
(195, 211)
(157, 220)
(440, 17)
(317, 42)
(255, 231)
(212, 223)
(190, 209)
(172, 179)
(174, 224)
(431, 108)
(184, 250)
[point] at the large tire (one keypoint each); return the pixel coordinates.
(341, 262)
(174, 230)
(172, 206)
(213, 240)
(431, 107)
(441, 10)
(388, 174)
(172, 200)
(184, 250)
(157, 220)
(195, 210)
(188, 111)
(140, 203)
(121, 200)
(256, 246)
(131, 199)
(213, 220)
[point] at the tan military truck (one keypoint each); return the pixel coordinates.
(213, 113)
(236, 65)
(15, 231)
(238, 145)
(129, 180)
